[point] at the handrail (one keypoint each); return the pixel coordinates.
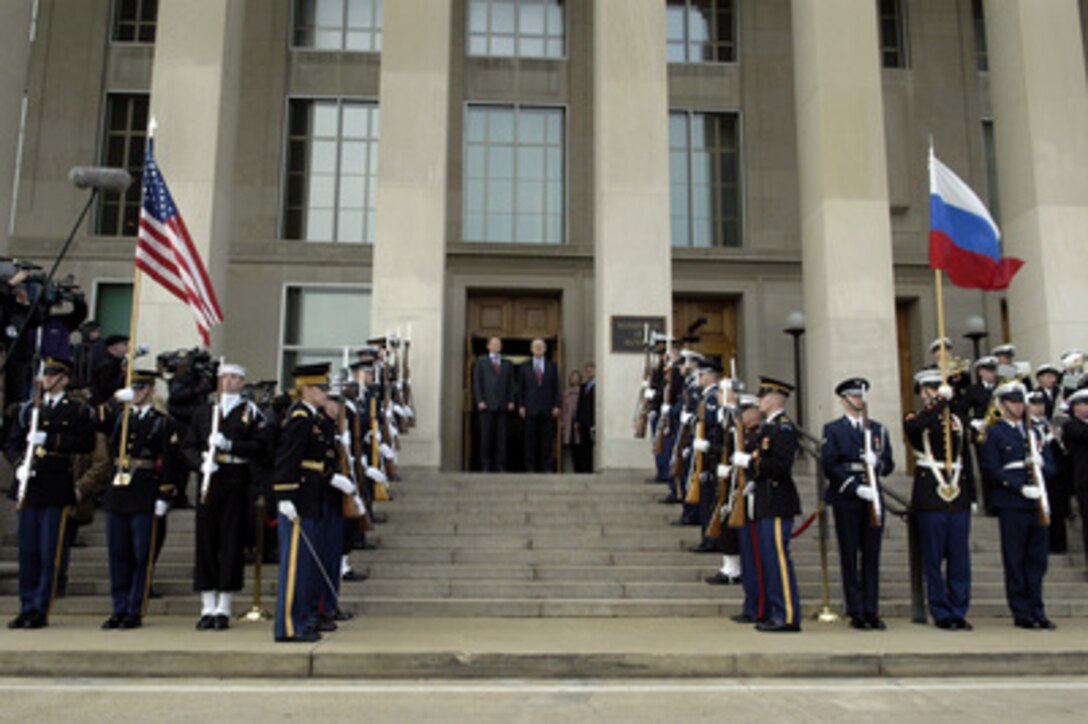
(810, 445)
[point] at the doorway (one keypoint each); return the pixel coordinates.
(904, 313)
(517, 318)
(717, 335)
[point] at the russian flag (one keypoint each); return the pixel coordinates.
(963, 238)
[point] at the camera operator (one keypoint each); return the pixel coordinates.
(109, 374)
(191, 375)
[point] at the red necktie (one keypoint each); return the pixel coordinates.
(495, 364)
(539, 373)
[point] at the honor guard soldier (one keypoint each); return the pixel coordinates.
(1017, 462)
(49, 431)
(1047, 375)
(709, 447)
(942, 498)
(1006, 366)
(303, 470)
(856, 455)
(770, 471)
(671, 407)
(1057, 485)
(1075, 439)
(223, 439)
(145, 446)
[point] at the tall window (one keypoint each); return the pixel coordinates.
(704, 179)
(332, 170)
(517, 28)
(893, 33)
(134, 20)
(990, 154)
(701, 31)
(354, 25)
(514, 175)
(125, 135)
(978, 16)
(319, 321)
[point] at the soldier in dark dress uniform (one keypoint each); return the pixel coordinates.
(221, 511)
(1017, 462)
(65, 429)
(710, 447)
(845, 460)
(139, 494)
(942, 498)
(1075, 440)
(776, 504)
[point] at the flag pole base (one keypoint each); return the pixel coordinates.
(826, 615)
(255, 614)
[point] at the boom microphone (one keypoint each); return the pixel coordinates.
(103, 178)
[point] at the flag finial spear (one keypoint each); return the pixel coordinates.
(151, 126)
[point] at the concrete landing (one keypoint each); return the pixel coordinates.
(407, 648)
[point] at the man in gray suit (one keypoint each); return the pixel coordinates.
(493, 391)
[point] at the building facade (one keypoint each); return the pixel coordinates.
(456, 169)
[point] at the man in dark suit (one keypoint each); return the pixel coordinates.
(493, 392)
(585, 421)
(538, 390)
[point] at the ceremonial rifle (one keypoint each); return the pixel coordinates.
(217, 409)
(1036, 470)
(347, 506)
(663, 422)
(680, 443)
(25, 470)
(693, 495)
(642, 405)
(726, 486)
(875, 506)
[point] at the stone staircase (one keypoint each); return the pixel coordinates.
(544, 545)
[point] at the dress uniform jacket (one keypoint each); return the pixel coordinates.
(69, 429)
(304, 459)
(153, 456)
(1004, 457)
(925, 430)
(844, 464)
(771, 469)
(243, 425)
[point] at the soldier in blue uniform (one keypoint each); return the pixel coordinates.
(65, 429)
(710, 447)
(303, 470)
(847, 461)
(941, 498)
(776, 503)
(221, 513)
(1017, 467)
(138, 497)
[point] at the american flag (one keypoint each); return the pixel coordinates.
(165, 252)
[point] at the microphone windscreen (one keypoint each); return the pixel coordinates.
(100, 177)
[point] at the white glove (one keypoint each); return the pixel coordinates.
(945, 391)
(387, 452)
(1031, 492)
(287, 510)
(865, 493)
(343, 484)
(209, 466)
(974, 507)
(740, 459)
(685, 418)
(22, 474)
(871, 458)
(220, 441)
(701, 444)
(125, 394)
(36, 438)
(376, 475)
(724, 471)
(345, 439)
(1036, 460)
(409, 412)
(749, 488)
(665, 409)
(359, 504)
(724, 512)
(649, 395)
(687, 453)
(161, 506)
(978, 425)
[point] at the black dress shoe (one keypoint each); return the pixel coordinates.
(206, 622)
(961, 624)
(34, 619)
(1043, 623)
(342, 615)
(326, 625)
(18, 622)
(742, 618)
(720, 579)
(305, 637)
(875, 622)
(379, 518)
(222, 622)
(947, 624)
(354, 576)
(860, 622)
(776, 627)
(1026, 623)
(112, 622)
(702, 549)
(669, 500)
(129, 622)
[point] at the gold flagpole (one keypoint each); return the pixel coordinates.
(122, 458)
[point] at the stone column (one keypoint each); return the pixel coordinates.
(15, 18)
(194, 97)
(845, 228)
(410, 237)
(632, 263)
(1040, 108)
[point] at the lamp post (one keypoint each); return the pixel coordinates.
(795, 327)
(976, 331)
